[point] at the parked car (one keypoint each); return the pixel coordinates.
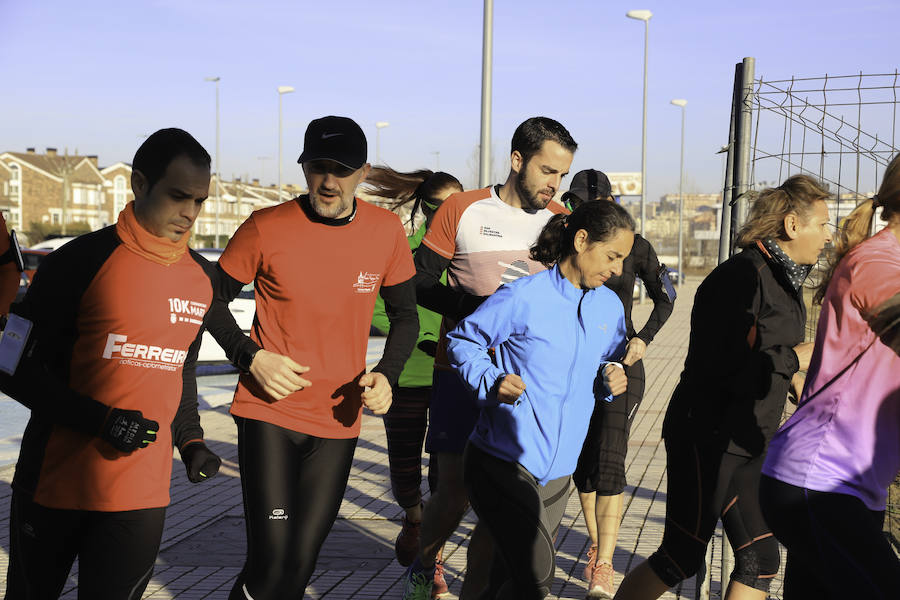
(243, 308)
(32, 258)
(52, 243)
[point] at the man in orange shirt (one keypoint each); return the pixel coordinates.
(318, 263)
(108, 336)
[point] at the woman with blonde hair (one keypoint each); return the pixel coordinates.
(825, 479)
(746, 345)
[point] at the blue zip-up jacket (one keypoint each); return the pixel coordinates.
(557, 338)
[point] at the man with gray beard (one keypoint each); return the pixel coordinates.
(318, 263)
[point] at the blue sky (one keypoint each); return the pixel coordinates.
(96, 76)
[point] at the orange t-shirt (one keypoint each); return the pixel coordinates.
(316, 286)
(133, 328)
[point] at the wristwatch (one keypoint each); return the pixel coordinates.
(246, 359)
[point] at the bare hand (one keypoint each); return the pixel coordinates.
(634, 351)
(378, 395)
(804, 353)
(510, 388)
(615, 379)
(796, 390)
(278, 375)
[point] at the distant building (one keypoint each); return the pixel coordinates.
(37, 183)
(692, 203)
(54, 188)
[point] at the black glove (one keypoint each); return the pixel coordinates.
(199, 461)
(128, 430)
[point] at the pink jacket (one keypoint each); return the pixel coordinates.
(845, 435)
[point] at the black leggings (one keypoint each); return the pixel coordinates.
(835, 546)
(293, 485)
(705, 484)
(522, 517)
(115, 550)
(601, 465)
(405, 424)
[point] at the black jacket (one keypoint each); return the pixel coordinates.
(643, 263)
(745, 322)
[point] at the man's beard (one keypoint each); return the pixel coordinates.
(329, 211)
(529, 198)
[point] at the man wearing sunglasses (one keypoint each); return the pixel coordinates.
(318, 263)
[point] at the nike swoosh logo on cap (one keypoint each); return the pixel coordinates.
(325, 136)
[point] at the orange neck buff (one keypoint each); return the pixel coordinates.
(143, 243)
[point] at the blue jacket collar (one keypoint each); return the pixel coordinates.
(564, 286)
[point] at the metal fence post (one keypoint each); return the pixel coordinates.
(725, 220)
(743, 134)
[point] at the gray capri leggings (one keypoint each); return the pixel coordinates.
(522, 517)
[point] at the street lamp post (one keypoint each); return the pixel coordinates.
(282, 90)
(682, 103)
(218, 206)
(643, 15)
(437, 160)
(487, 79)
(378, 127)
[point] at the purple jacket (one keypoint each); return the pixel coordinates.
(845, 435)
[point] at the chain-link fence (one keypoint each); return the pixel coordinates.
(841, 129)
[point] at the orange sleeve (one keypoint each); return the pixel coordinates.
(9, 273)
(557, 209)
(441, 235)
(400, 266)
(242, 256)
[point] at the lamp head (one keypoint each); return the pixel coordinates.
(640, 15)
(285, 89)
(679, 102)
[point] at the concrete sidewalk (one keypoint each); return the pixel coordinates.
(203, 543)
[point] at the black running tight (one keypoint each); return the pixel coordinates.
(293, 485)
(115, 550)
(835, 546)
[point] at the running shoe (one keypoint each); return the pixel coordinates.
(601, 583)
(407, 544)
(439, 587)
(418, 581)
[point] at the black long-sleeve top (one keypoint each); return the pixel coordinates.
(745, 322)
(643, 263)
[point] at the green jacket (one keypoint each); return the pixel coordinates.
(418, 369)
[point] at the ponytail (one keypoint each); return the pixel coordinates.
(413, 186)
(857, 226)
(549, 246)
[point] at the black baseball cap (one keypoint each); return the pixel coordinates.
(335, 138)
(589, 185)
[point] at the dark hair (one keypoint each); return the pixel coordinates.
(162, 147)
(857, 226)
(798, 194)
(412, 186)
(601, 221)
(531, 135)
